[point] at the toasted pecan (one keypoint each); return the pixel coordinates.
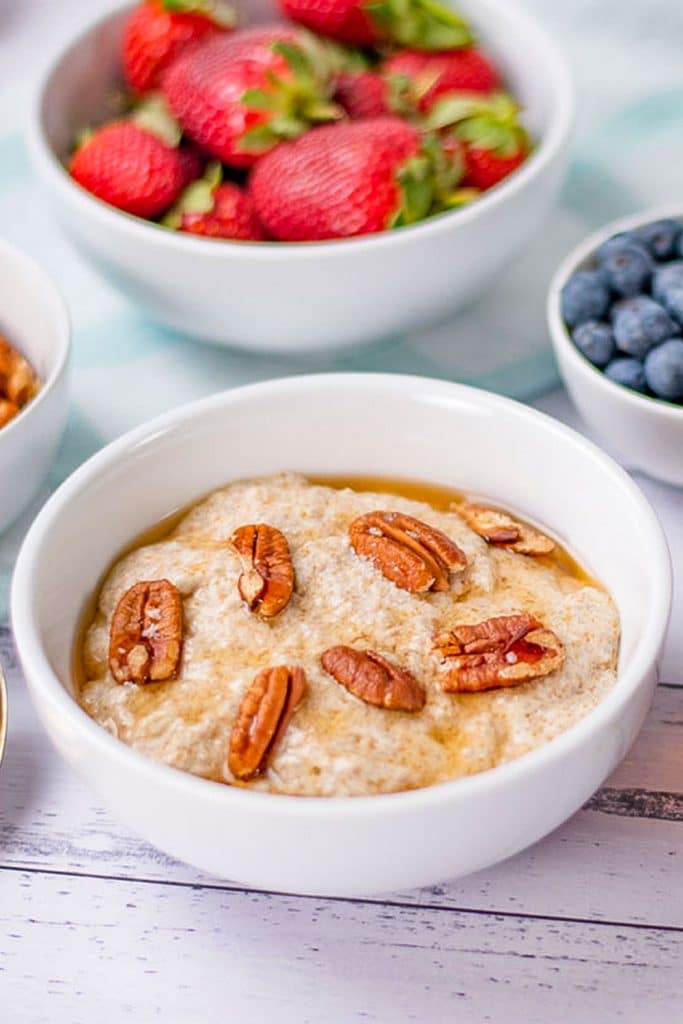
(267, 580)
(502, 651)
(503, 530)
(374, 679)
(413, 555)
(146, 636)
(263, 716)
(18, 382)
(8, 410)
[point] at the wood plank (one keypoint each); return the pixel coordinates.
(638, 803)
(138, 952)
(49, 819)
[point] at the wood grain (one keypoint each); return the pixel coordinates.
(638, 803)
(208, 955)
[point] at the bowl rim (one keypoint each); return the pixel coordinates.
(47, 688)
(62, 335)
(560, 122)
(560, 334)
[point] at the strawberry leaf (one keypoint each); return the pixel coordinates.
(460, 197)
(259, 99)
(402, 97)
(424, 24)
(221, 13)
(196, 198)
(259, 139)
(486, 122)
(295, 58)
(284, 127)
(452, 108)
(322, 110)
(416, 183)
(291, 102)
(344, 58)
(154, 116)
(485, 132)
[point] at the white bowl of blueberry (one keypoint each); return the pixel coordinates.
(615, 310)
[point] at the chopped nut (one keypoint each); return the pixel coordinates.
(501, 529)
(18, 382)
(8, 410)
(263, 716)
(146, 637)
(502, 651)
(414, 556)
(375, 680)
(268, 579)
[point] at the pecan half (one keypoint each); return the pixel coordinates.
(146, 637)
(501, 529)
(8, 410)
(263, 716)
(502, 651)
(375, 680)
(18, 382)
(267, 582)
(414, 556)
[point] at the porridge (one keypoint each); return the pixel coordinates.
(326, 640)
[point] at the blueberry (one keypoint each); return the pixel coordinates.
(625, 264)
(639, 324)
(664, 370)
(666, 277)
(584, 297)
(596, 341)
(674, 303)
(628, 372)
(616, 242)
(660, 238)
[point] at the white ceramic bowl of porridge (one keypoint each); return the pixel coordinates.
(346, 425)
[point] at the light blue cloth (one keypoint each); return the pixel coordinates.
(628, 152)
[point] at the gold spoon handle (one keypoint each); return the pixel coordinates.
(3, 712)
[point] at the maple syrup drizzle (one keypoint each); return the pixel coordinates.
(438, 496)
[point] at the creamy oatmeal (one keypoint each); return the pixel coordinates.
(444, 691)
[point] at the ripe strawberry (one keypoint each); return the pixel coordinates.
(362, 94)
(433, 76)
(421, 23)
(366, 93)
(237, 96)
(495, 142)
(346, 179)
(484, 168)
(130, 167)
(159, 30)
(215, 209)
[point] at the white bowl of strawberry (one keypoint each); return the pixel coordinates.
(304, 176)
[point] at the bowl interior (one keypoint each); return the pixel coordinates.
(346, 424)
(78, 90)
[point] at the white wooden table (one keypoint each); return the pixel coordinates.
(586, 926)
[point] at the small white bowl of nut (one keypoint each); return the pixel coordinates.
(34, 349)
